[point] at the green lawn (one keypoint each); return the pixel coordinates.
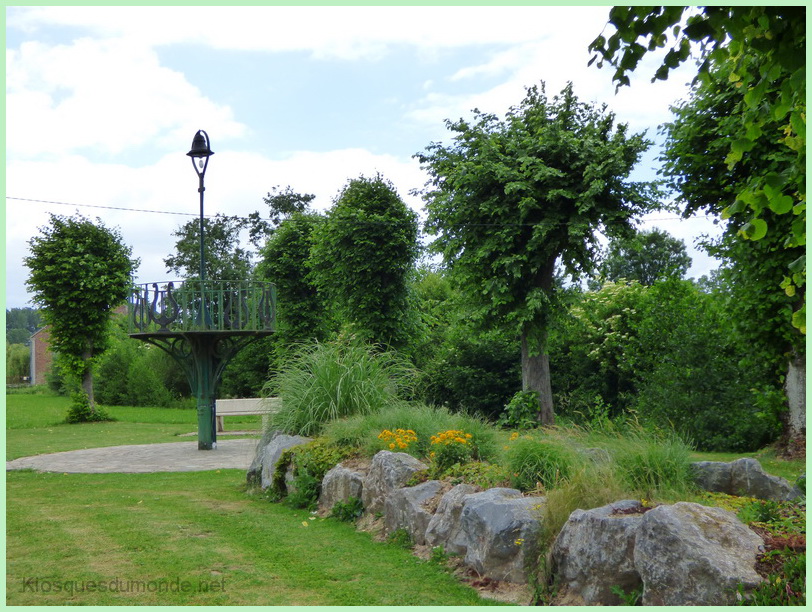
(182, 538)
(35, 425)
(200, 529)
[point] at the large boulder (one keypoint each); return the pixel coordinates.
(389, 471)
(444, 527)
(501, 530)
(744, 477)
(405, 509)
(339, 485)
(594, 552)
(689, 554)
(269, 455)
(747, 476)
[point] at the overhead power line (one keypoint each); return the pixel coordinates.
(185, 214)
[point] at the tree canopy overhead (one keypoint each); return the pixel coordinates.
(510, 198)
(759, 51)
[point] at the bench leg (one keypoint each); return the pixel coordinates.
(220, 424)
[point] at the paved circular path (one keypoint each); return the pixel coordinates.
(143, 458)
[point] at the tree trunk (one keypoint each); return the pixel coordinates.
(535, 362)
(87, 382)
(536, 376)
(795, 388)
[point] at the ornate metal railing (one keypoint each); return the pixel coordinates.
(209, 306)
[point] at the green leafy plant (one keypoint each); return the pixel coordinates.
(629, 599)
(81, 412)
(479, 473)
(348, 511)
(438, 556)
(521, 412)
(400, 537)
(786, 587)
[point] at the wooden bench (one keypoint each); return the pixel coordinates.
(241, 407)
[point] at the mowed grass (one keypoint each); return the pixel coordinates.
(196, 539)
(35, 425)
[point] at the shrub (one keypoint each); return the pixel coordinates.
(479, 473)
(80, 411)
(521, 412)
(542, 463)
(331, 380)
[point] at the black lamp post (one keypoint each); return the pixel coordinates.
(201, 151)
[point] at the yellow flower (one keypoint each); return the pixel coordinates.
(514, 436)
(392, 446)
(304, 523)
(469, 436)
(519, 541)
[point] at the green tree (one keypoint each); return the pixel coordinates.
(646, 257)
(760, 52)
(79, 272)
(301, 312)
(18, 363)
(20, 324)
(224, 258)
(508, 199)
(362, 256)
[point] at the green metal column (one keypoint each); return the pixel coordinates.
(205, 394)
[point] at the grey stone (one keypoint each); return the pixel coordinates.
(404, 509)
(339, 485)
(688, 554)
(595, 551)
(501, 531)
(271, 453)
(744, 477)
(389, 471)
(254, 475)
(712, 476)
(444, 527)
(748, 478)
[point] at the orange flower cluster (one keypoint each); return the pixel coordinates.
(400, 438)
(450, 437)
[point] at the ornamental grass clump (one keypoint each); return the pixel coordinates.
(331, 380)
(539, 464)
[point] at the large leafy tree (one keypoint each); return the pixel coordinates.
(509, 199)
(80, 271)
(362, 256)
(758, 51)
(646, 257)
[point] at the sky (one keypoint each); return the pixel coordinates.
(102, 104)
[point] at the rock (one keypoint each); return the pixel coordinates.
(339, 484)
(254, 475)
(270, 454)
(688, 554)
(444, 526)
(743, 477)
(388, 471)
(595, 551)
(404, 509)
(501, 530)
(748, 478)
(713, 476)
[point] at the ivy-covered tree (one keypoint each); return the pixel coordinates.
(646, 257)
(79, 272)
(508, 200)
(756, 55)
(362, 255)
(285, 260)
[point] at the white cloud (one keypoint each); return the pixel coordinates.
(103, 95)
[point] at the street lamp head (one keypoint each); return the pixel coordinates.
(201, 151)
